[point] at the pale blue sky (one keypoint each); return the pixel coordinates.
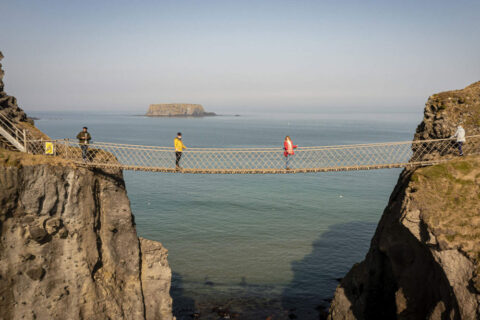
(237, 55)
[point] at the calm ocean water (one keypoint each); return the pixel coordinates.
(257, 245)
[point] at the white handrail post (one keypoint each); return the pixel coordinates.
(25, 140)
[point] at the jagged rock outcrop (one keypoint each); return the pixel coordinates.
(8, 104)
(177, 110)
(444, 112)
(156, 279)
(424, 259)
(69, 248)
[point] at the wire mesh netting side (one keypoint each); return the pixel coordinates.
(249, 160)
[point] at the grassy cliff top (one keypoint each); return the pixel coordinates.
(19, 159)
(448, 197)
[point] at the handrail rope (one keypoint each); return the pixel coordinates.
(256, 149)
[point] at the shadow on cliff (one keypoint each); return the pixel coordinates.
(316, 276)
(183, 307)
(112, 175)
(400, 277)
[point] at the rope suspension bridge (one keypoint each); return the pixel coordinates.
(244, 160)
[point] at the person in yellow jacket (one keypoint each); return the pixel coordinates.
(179, 147)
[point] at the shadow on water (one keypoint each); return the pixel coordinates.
(225, 301)
(183, 306)
(316, 276)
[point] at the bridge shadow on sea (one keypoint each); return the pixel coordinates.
(306, 297)
(316, 276)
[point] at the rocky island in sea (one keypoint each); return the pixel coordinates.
(177, 110)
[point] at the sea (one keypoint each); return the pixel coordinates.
(253, 246)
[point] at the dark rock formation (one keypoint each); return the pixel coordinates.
(177, 110)
(424, 259)
(8, 104)
(68, 246)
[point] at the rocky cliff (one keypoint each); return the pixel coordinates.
(424, 259)
(177, 110)
(444, 112)
(69, 248)
(8, 104)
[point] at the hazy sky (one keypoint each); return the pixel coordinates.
(237, 55)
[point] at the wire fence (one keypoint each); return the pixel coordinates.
(257, 160)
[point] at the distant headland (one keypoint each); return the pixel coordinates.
(177, 110)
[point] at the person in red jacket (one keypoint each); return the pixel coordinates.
(288, 146)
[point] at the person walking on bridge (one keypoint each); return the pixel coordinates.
(179, 147)
(288, 146)
(84, 140)
(460, 136)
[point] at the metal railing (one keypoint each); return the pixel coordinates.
(10, 132)
(258, 160)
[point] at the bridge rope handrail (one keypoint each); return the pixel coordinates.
(258, 149)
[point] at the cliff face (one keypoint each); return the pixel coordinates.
(69, 248)
(424, 259)
(177, 110)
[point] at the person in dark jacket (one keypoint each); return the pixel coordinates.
(84, 140)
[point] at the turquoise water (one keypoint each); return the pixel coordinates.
(255, 244)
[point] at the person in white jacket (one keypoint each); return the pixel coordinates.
(460, 136)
